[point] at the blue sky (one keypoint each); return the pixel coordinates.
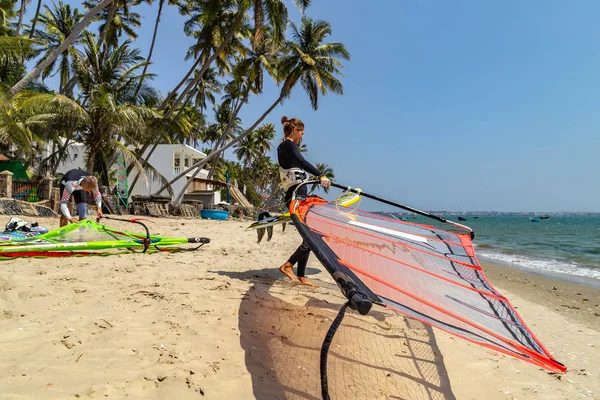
(462, 105)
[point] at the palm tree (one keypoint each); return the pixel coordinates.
(161, 4)
(325, 170)
(226, 124)
(206, 89)
(248, 76)
(108, 87)
(263, 136)
(308, 60)
(21, 14)
(116, 21)
(211, 23)
(35, 19)
(246, 150)
(37, 70)
(58, 24)
(14, 50)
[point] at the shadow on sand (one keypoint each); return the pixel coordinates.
(380, 356)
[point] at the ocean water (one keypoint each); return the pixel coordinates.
(563, 244)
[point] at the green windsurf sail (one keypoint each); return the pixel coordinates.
(88, 236)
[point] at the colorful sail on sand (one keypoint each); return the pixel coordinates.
(92, 238)
(423, 272)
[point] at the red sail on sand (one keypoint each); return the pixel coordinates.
(420, 271)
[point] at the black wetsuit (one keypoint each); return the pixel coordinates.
(289, 156)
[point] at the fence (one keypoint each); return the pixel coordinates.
(26, 190)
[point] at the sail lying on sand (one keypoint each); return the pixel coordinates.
(420, 271)
(86, 236)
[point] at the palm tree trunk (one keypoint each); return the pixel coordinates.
(35, 18)
(137, 176)
(59, 155)
(209, 61)
(174, 91)
(21, 14)
(177, 201)
(35, 72)
(139, 87)
(223, 137)
(104, 33)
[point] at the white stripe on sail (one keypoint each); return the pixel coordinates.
(387, 231)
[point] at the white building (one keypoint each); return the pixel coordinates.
(169, 160)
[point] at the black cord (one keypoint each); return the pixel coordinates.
(325, 349)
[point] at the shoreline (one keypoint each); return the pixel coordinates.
(558, 276)
(575, 301)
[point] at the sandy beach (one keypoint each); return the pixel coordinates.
(223, 323)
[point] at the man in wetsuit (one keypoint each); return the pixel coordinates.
(293, 169)
(75, 183)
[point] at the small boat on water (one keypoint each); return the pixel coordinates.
(536, 219)
(546, 216)
(462, 218)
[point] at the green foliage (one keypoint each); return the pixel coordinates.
(105, 99)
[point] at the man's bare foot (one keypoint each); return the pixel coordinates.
(288, 270)
(306, 282)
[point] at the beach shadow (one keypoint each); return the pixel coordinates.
(384, 356)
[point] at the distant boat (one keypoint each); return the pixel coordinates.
(475, 217)
(462, 218)
(536, 219)
(546, 216)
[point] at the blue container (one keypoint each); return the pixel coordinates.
(214, 214)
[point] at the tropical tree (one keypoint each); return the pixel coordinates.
(21, 14)
(213, 23)
(116, 20)
(58, 23)
(114, 117)
(35, 19)
(161, 4)
(49, 59)
(262, 138)
(246, 150)
(325, 170)
(307, 60)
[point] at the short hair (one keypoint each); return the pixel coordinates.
(91, 180)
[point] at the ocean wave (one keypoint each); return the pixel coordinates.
(558, 266)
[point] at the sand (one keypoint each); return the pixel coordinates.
(223, 323)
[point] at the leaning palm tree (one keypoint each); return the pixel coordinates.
(249, 75)
(35, 19)
(161, 4)
(308, 61)
(37, 70)
(210, 23)
(117, 20)
(21, 14)
(58, 23)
